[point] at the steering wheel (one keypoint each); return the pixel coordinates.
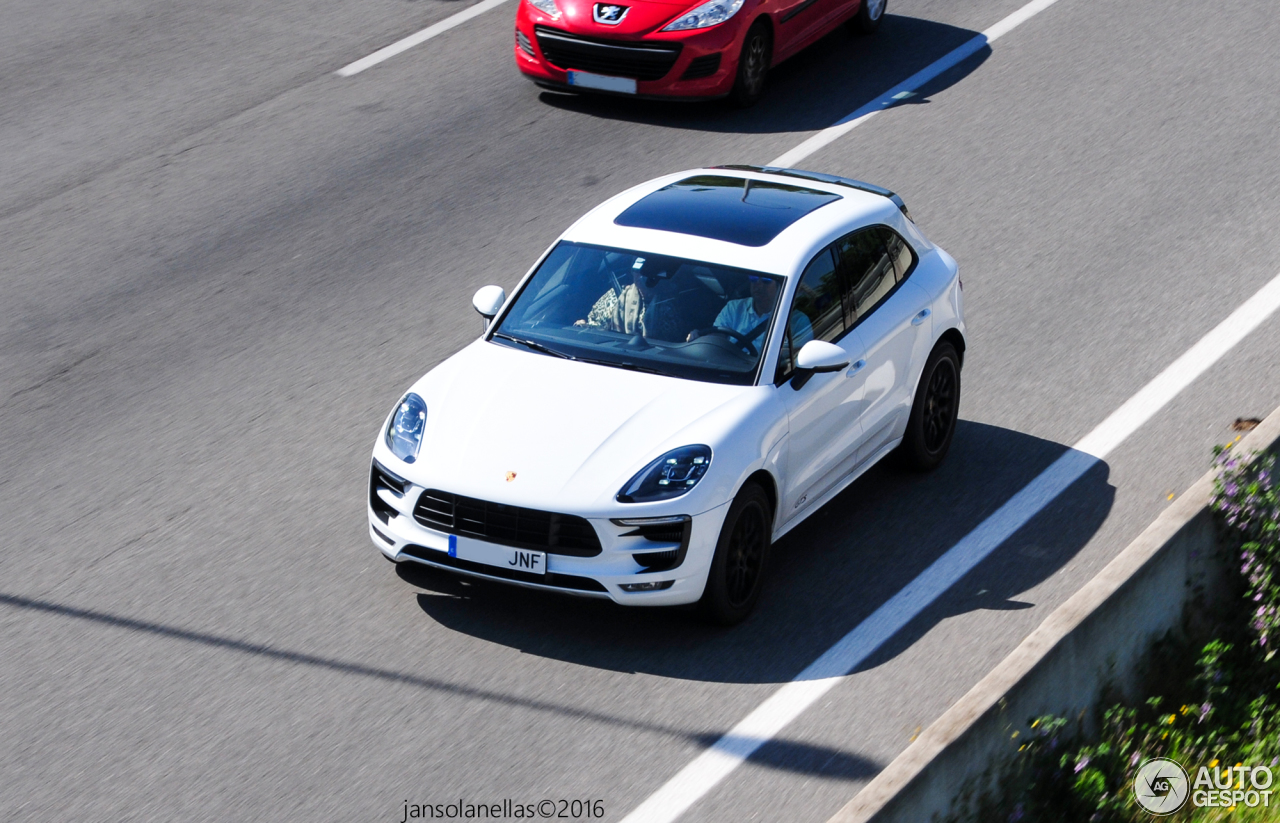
(735, 337)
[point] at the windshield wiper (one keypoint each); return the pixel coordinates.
(535, 345)
(621, 365)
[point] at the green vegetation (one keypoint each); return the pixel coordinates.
(1215, 701)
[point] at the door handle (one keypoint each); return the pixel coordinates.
(855, 368)
(920, 316)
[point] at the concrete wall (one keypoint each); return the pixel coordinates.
(1098, 638)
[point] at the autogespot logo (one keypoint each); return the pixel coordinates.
(1161, 786)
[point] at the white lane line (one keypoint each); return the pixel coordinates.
(852, 121)
(418, 38)
(788, 702)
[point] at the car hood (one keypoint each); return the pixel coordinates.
(641, 18)
(565, 432)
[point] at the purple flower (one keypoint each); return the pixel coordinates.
(1133, 761)
(1084, 761)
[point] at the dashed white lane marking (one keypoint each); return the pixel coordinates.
(902, 90)
(418, 37)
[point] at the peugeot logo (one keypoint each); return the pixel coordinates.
(609, 14)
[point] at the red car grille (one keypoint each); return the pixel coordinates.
(642, 61)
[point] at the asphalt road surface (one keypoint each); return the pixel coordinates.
(220, 264)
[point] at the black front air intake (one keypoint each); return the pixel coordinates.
(617, 58)
(704, 66)
(381, 478)
(676, 533)
(506, 525)
(522, 40)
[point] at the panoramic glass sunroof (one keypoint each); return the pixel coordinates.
(746, 212)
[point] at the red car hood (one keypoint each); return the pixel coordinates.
(642, 17)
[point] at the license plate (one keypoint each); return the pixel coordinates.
(518, 560)
(586, 80)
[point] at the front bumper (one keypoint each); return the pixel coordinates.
(402, 538)
(688, 76)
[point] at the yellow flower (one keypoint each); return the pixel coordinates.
(1213, 763)
(1015, 734)
(1035, 723)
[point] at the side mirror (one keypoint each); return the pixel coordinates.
(488, 300)
(820, 356)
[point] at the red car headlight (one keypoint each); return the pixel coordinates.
(708, 14)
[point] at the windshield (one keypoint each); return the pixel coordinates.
(647, 312)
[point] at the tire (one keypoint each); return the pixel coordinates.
(932, 424)
(868, 18)
(742, 552)
(753, 66)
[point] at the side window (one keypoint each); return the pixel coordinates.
(903, 257)
(868, 270)
(817, 313)
(873, 261)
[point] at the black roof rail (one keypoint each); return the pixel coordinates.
(821, 177)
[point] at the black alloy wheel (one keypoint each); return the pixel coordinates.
(737, 569)
(746, 556)
(868, 17)
(753, 66)
(934, 411)
(940, 407)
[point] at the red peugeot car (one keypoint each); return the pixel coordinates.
(674, 48)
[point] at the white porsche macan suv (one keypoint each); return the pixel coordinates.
(691, 370)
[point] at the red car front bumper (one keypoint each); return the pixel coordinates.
(698, 63)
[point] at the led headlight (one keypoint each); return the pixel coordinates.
(671, 475)
(404, 434)
(708, 14)
(547, 7)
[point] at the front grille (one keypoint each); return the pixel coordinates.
(522, 40)
(559, 581)
(704, 66)
(381, 478)
(643, 61)
(505, 525)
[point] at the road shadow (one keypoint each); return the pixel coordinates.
(825, 578)
(812, 90)
(778, 753)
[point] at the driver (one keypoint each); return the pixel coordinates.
(749, 314)
(643, 307)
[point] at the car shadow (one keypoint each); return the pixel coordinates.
(826, 576)
(812, 90)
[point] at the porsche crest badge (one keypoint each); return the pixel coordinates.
(511, 476)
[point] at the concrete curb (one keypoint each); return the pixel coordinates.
(1099, 636)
